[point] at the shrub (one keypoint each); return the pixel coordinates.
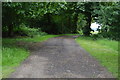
(97, 36)
(94, 36)
(27, 31)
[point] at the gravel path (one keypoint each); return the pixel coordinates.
(60, 57)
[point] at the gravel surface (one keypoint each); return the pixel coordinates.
(60, 57)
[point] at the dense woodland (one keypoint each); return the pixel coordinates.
(28, 19)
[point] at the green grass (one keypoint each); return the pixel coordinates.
(28, 39)
(105, 51)
(69, 34)
(12, 55)
(0, 58)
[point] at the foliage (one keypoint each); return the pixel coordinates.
(106, 51)
(62, 17)
(108, 16)
(12, 54)
(27, 31)
(13, 18)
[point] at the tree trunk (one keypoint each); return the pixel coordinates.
(10, 30)
(69, 24)
(75, 23)
(87, 29)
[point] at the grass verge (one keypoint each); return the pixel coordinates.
(106, 51)
(69, 34)
(12, 55)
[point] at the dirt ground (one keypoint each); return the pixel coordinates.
(60, 57)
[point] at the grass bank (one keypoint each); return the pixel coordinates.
(105, 51)
(12, 55)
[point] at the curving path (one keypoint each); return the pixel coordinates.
(60, 57)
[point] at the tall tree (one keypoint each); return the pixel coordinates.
(108, 16)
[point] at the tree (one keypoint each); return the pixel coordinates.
(108, 16)
(63, 17)
(13, 15)
(86, 8)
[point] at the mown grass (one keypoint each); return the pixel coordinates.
(69, 34)
(104, 50)
(28, 39)
(12, 55)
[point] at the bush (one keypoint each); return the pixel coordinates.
(80, 32)
(94, 36)
(109, 35)
(27, 31)
(97, 36)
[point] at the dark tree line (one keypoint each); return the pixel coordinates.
(63, 17)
